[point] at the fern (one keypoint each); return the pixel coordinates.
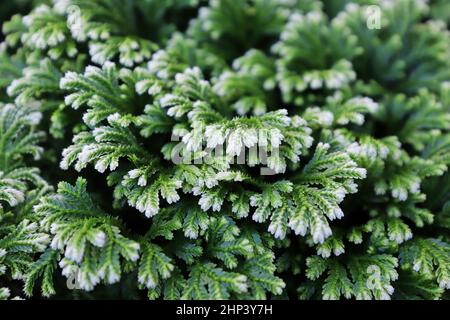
(21, 186)
(257, 149)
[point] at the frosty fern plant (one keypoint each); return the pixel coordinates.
(21, 187)
(333, 182)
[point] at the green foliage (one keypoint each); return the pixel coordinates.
(363, 277)
(91, 240)
(425, 255)
(251, 149)
(21, 186)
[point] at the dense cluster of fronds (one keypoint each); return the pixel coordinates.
(351, 198)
